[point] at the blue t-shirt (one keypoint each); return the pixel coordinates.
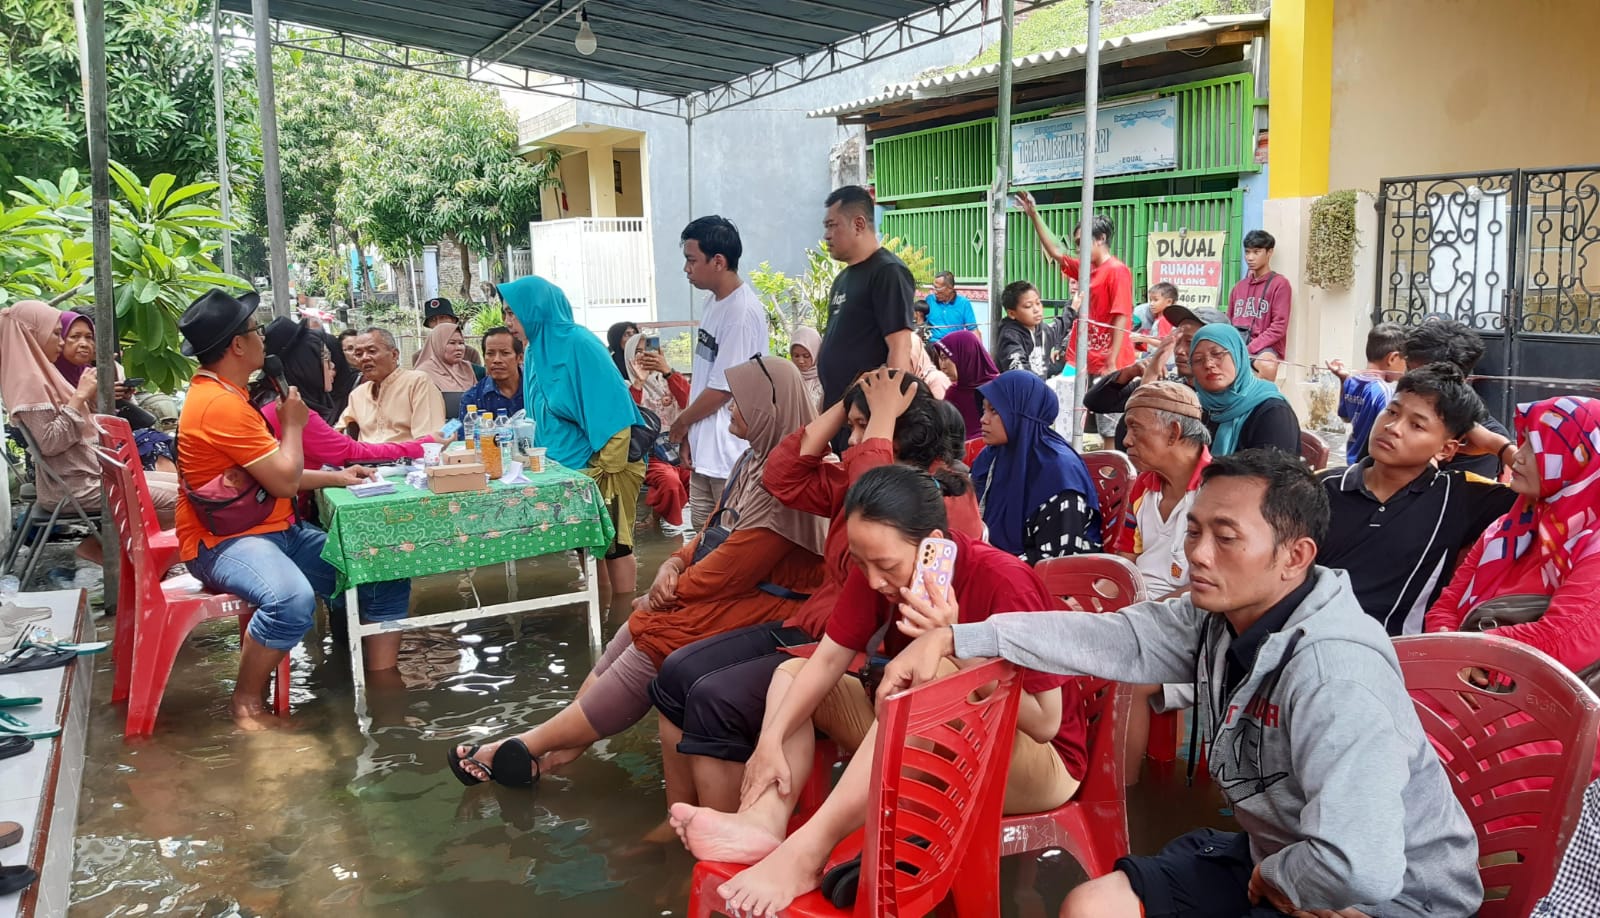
(944, 318)
(486, 395)
(1361, 400)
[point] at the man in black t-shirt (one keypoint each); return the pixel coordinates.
(870, 317)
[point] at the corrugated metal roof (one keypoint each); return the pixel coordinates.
(671, 47)
(1043, 64)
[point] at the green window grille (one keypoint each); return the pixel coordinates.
(954, 235)
(956, 159)
(1216, 136)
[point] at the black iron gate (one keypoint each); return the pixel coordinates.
(1514, 254)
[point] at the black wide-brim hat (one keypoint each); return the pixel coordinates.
(438, 306)
(213, 320)
(283, 333)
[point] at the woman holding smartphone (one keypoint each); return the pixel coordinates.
(891, 512)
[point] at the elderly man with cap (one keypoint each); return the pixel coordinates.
(235, 520)
(1110, 394)
(1167, 442)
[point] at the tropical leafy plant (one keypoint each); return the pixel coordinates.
(793, 301)
(162, 239)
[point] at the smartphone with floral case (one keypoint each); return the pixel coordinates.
(936, 561)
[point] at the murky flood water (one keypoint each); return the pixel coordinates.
(319, 818)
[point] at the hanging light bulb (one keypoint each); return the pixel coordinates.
(585, 42)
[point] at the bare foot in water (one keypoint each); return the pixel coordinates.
(251, 716)
(712, 835)
(771, 885)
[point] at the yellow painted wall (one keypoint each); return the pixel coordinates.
(1427, 86)
(1300, 50)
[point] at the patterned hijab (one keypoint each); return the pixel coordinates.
(1230, 408)
(1564, 434)
(654, 393)
(457, 377)
(772, 399)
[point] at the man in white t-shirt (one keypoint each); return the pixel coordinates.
(732, 330)
(1167, 442)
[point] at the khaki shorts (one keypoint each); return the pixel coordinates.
(1038, 780)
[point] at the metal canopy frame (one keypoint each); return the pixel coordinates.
(644, 78)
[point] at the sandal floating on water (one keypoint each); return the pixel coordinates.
(19, 702)
(32, 659)
(10, 832)
(512, 766)
(16, 879)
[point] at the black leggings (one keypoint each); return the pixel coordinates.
(715, 690)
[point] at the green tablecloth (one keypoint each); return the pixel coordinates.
(414, 532)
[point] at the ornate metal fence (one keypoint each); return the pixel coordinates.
(1515, 254)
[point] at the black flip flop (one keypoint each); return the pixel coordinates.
(10, 833)
(33, 659)
(16, 879)
(512, 766)
(11, 746)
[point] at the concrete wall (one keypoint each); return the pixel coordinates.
(1421, 87)
(630, 200)
(763, 165)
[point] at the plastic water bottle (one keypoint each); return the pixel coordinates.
(504, 436)
(489, 446)
(469, 427)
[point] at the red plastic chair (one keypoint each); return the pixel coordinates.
(1093, 583)
(152, 621)
(1106, 583)
(1113, 476)
(1313, 450)
(1522, 831)
(1093, 825)
(966, 755)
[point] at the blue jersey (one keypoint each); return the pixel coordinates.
(1363, 397)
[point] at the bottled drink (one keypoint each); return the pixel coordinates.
(469, 427)
(504, 436)
(488, 444)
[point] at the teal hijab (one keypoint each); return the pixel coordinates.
(1229, 408)
(570, 386)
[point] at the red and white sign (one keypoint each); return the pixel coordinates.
(1192, 262)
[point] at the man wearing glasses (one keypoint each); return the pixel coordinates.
(251, 546)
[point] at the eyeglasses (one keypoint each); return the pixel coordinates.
(770, 381)
(255, 330)
(1206, 358)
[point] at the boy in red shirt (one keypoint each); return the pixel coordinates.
(1110, 291)
(1258, 305)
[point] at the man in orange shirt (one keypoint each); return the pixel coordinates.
(263, 554)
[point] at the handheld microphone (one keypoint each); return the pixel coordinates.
(272, 369)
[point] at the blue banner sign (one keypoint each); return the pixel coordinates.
(1131, 137)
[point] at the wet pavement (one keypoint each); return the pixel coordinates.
(319, 818)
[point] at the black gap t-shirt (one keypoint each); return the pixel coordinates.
(869, 301)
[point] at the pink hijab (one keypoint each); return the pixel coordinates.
(457, 378)
(28, 381)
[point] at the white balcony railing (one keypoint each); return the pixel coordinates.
(603, 264)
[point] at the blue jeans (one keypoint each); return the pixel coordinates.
(282, 574)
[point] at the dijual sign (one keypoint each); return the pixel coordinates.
(1192, 262)
(1132, 137)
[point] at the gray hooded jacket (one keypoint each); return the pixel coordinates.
(1319, 750)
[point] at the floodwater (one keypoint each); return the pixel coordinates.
(321, 818)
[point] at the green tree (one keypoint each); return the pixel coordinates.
(160, 113)
(161, 249)
(441, 163)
